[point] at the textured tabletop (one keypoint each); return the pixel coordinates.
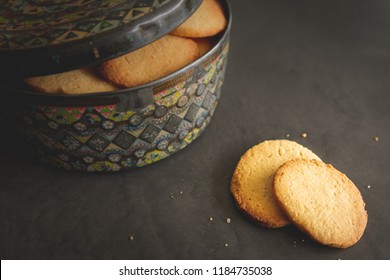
(316, 67)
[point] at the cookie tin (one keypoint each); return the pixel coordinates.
(122, 129)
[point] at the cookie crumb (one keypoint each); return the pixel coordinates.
(376, 138)
(228, 220)
(211, 219)
(226, 245)
(304, 135)
(287, 135)
(181, 192)
(171, 195)
(368, 187)
(131, 238)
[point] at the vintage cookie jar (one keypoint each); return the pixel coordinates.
(107, 131)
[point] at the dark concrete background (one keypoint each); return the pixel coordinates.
(319, 67)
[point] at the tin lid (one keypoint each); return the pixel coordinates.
(39, 37)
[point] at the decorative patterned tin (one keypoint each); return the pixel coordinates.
(123, 129)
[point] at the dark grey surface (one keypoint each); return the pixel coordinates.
(319, 67)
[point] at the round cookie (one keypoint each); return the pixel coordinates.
(204, 45)
(79, 81)
(151, 62)
(253, 178)
(321, 201)
(208, 20)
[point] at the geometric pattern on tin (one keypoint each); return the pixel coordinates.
(31, 24)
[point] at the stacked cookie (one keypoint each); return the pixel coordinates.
(166, 55)
(278, 182)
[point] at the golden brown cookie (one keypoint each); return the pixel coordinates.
(321, 201)
(79, 81)
(204, 45)
(151, 62)
(208, 20)
(252, 182)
